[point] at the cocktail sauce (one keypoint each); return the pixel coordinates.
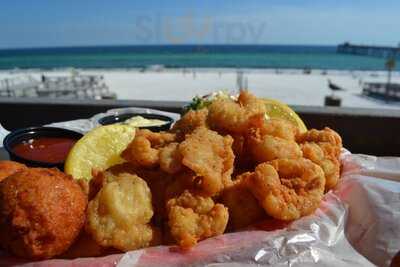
(45, 149)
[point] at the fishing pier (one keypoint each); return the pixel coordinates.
(368, 50)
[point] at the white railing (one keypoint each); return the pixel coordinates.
(75, 86)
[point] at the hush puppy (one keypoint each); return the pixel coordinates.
(8, 168)
(41, 213)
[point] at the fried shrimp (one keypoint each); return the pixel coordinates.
(157, 139)
(193, 218)
(323, 148)
(268, 147)
(190, 121)
(170, 158)
(270, 139)
(243, 207)
(8, 168)
(326, 136)
(228, 116)
(288, 189)
(120, 213)
(275, 127)
(318, 154)
(210, 156)
(144, 149)
(140, 153)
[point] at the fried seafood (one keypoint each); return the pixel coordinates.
(197, 163)
(224, 166)
(140, 152)
(8, 168)
(228, 116)
(190, 121)
(323, 148)
(42, 211)
(203, 163)
(272, 139)
(158, 182)
(288, 189)
(210, 156)
(144, 149)
(243, 207)
(157, 139)
(266, 148)
(275, 127)
(170, 158)
(193, 218)
(120, 213)
(325, 136)
(328, 162)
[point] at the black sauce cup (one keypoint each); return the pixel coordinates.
(18, 136)
(117, 118)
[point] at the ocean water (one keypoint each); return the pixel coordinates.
(189, 56)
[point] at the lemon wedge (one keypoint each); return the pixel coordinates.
(99, 149)
(279, 110)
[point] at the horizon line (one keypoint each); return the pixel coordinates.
(155, 45)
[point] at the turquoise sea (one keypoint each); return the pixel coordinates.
(188, 56)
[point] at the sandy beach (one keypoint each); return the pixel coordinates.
(290, 86)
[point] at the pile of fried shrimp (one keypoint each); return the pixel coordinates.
(222, 168)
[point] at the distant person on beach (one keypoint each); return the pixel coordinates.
(307, 70)
(43, 78)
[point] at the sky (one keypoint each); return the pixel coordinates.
(54, 23)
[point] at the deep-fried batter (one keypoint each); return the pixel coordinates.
(326, 135)
(8, 168)
(288, 189)
(170, 158)
(228, 116)
(210, 156)
(144, 149)
(272, 139)
(41, 212)
(190, 121)
(158, 182)
(193, 218)
(120, 213)
(275, 127)
(329, 163)
(323, 148)
(141, 153)
(267, 147)
(243, 207)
